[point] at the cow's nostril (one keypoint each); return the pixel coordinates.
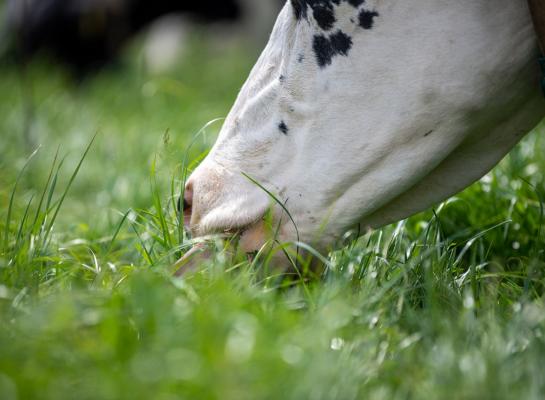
(187, 205)
(188, 195)
(184, 205)
(186, 201)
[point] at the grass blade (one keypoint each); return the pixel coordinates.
(68, 186)
(12, 198)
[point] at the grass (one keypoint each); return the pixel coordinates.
(446, 305)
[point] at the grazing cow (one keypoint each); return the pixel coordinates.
(364, 112)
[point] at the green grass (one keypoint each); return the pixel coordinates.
(446, 305)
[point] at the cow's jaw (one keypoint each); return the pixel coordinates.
(356, 104)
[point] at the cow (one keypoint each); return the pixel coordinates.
(360, 113)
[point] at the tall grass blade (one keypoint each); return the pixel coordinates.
(12, 198)
(116, 232)
(44, 191)
(68, 186)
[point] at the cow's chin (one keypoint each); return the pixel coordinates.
(252, 239)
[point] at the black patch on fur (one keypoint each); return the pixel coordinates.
(356, 3)
(283, 127)
(299, 8)
(326, 48)
(322, 10)
(367, 18)
(341, 43)
(323, 50)
(324, 15)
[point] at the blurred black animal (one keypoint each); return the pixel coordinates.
(87, 34)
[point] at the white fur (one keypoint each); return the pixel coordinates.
(426, 102)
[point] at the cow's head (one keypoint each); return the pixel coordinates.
(351, 106)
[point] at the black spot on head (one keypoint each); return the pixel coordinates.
(323, 11)
(300, 58)
(324, 15)
(299, 8)
(367, 18)
(282, 78)
(341, 43)
(283, 127)
(356, 3)
(325, 48)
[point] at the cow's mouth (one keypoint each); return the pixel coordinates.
(248, 238)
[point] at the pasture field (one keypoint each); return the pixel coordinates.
(446, 305)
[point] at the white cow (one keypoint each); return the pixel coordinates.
(366, 112)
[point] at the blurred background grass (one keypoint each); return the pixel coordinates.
(128, 108)
(448, 304)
